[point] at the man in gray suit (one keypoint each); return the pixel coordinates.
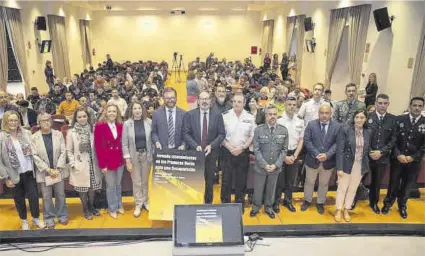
(344, 110)
(167, 123)
(270, 148)
(320, 141)
(204, 131)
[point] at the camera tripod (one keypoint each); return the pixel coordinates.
(177, 68)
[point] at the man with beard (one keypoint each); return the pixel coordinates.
(57, 96)
(279, 100)
(204, 131)
(270, 148)
(167, 123)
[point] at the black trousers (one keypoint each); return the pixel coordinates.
(377, 171)
(238, 165)
(402, 178)
(286, 181)
(26, 188)
(209, 175)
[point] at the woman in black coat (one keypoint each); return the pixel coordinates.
(371, 90)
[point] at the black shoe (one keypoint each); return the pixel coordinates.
(320, 209)
(375, 208)
(95, 212)
(253, 213)
(276, 208)
(305, 206)
(353, 206)
(385, 209)
(270, 213)
(403, 212)
(289, 206)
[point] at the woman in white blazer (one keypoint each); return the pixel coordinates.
(136, 147)
(85, 175)
(49, 153)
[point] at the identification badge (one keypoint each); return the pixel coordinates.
(370, 121)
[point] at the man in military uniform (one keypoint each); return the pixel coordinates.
(239, 126)
(383, 136)
(344, 110)
(408, 151)
(286, 180)
(270, 148)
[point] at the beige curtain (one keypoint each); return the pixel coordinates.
(418, 82)
(60, 55)
(267, 41)
(4, 65)
(300, 46)
(290, 26)
(14, 27)
(359, 23)
(336, 28)
(85, 33)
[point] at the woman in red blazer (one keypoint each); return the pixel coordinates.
(107, 141)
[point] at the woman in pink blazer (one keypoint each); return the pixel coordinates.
(107, 140)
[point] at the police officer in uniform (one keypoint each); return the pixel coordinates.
(286, 180)
(239, 126)
(383, 137)
(344, 110)
(408, 151)
(270, 147)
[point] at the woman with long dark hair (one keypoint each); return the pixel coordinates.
(352, 162)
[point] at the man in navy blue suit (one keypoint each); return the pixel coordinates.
(320, 141)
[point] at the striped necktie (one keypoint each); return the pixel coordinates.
(171, 131)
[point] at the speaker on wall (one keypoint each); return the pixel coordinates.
(40, 23)
(382, 19)
(308, 24)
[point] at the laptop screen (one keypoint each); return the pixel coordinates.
(208, 225)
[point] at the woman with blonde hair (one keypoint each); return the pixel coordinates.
(49, 150)
(85, 175)
(17, 168)
(136, 146)
(107, 141)
(371, 90)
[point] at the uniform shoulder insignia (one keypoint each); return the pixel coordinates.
(279, 125)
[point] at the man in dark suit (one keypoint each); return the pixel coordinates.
(320, 141)
(29, 116)
(383, 137)
(167, 123)
(204, 131)
(408, 152)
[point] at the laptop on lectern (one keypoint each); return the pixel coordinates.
(208, 230)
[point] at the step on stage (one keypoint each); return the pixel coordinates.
(308, 223)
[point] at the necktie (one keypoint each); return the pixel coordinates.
(171, 131)
(323, 131)
(204, 139)
(271, 130)
(413, 121)
(380, 119)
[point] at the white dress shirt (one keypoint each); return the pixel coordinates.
(309, 110)
(379, 115)
(295, 127)
(113, 128)
(238, 129)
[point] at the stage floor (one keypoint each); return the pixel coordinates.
(9, 219)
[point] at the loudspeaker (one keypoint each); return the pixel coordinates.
(40, 23)
(382, 20)
(308, 24)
